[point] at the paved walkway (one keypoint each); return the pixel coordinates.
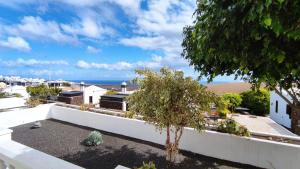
(261, 125)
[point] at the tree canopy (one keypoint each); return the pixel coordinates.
(256, 40)
(168, 99)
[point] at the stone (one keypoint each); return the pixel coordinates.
(36, 125)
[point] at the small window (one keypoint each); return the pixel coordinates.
(91, 99)
(288, 110)
(276, 106)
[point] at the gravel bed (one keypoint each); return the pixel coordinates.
(64, 140)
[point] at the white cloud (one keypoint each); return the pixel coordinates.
(15, 43)
(46, 72)
(39, 29)
(33, 62)
(155, 63)
(117, 66)
(92, 50)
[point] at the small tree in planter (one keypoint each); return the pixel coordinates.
(169, 100)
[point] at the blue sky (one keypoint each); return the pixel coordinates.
(92, 39)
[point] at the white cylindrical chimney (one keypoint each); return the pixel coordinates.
(123, 87)
(82, 86)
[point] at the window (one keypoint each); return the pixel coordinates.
(288, 110)
(91, 99)
(276, 106)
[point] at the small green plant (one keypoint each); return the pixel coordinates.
(93, 139)
(232, 127)
(66, 84)
(149, 165)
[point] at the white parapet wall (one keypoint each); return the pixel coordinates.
(22, 116)
(7, 103)
(257, 152)
(14, 155)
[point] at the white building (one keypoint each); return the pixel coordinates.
(92, 94)
(280, 111)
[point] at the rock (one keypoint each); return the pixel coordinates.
(36, 125)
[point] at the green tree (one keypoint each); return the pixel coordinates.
(169, 101)
(258, 101)
(257, 41)
(233, 100)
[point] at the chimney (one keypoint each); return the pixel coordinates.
(82, 86)
(123, 87)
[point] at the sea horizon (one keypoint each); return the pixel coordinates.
(118, 82)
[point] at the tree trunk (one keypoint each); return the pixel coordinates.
(168, 145)
(295, 116)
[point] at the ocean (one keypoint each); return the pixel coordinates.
(118, 82)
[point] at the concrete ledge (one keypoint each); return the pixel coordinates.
(5, 134)
(21, 156)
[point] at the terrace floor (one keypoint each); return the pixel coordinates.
(63, 140)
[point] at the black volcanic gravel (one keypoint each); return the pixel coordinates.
(63, 140)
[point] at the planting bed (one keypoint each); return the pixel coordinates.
(64, 140)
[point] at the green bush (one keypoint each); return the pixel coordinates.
(257, 101)
(93, 139)
(42, 91)
(233, 100)
(149, 165)
(17, 95)
(232, 127)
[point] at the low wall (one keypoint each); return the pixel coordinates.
(6, 103)
(14, 155)
(18, 117)
(261, 153)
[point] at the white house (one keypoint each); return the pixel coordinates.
(92, 94)
(280, 111)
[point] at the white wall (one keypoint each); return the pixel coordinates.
(281, 116)
(93, 91)
(19, 117)
(261, 153)
(13, 102)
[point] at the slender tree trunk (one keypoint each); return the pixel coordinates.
(295, 116)
(168, 145)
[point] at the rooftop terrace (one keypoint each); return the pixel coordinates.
(63, 140)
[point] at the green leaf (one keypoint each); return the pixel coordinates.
(280, 58)
(268, 21)
(280, 1)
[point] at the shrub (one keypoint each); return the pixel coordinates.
(42, 91)
(66, 84)
(84, 107)
(149, 165)
(111, 92)
(233, 100)
(33, 102)
(223, 113)
(232, 127)
(129, 114)
(93, 139)
(17, 95)
(257, 101)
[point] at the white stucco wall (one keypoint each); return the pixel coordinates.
(95, 92)
(23, 116)
(7, 103)
(281, 116)
(257, 152)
